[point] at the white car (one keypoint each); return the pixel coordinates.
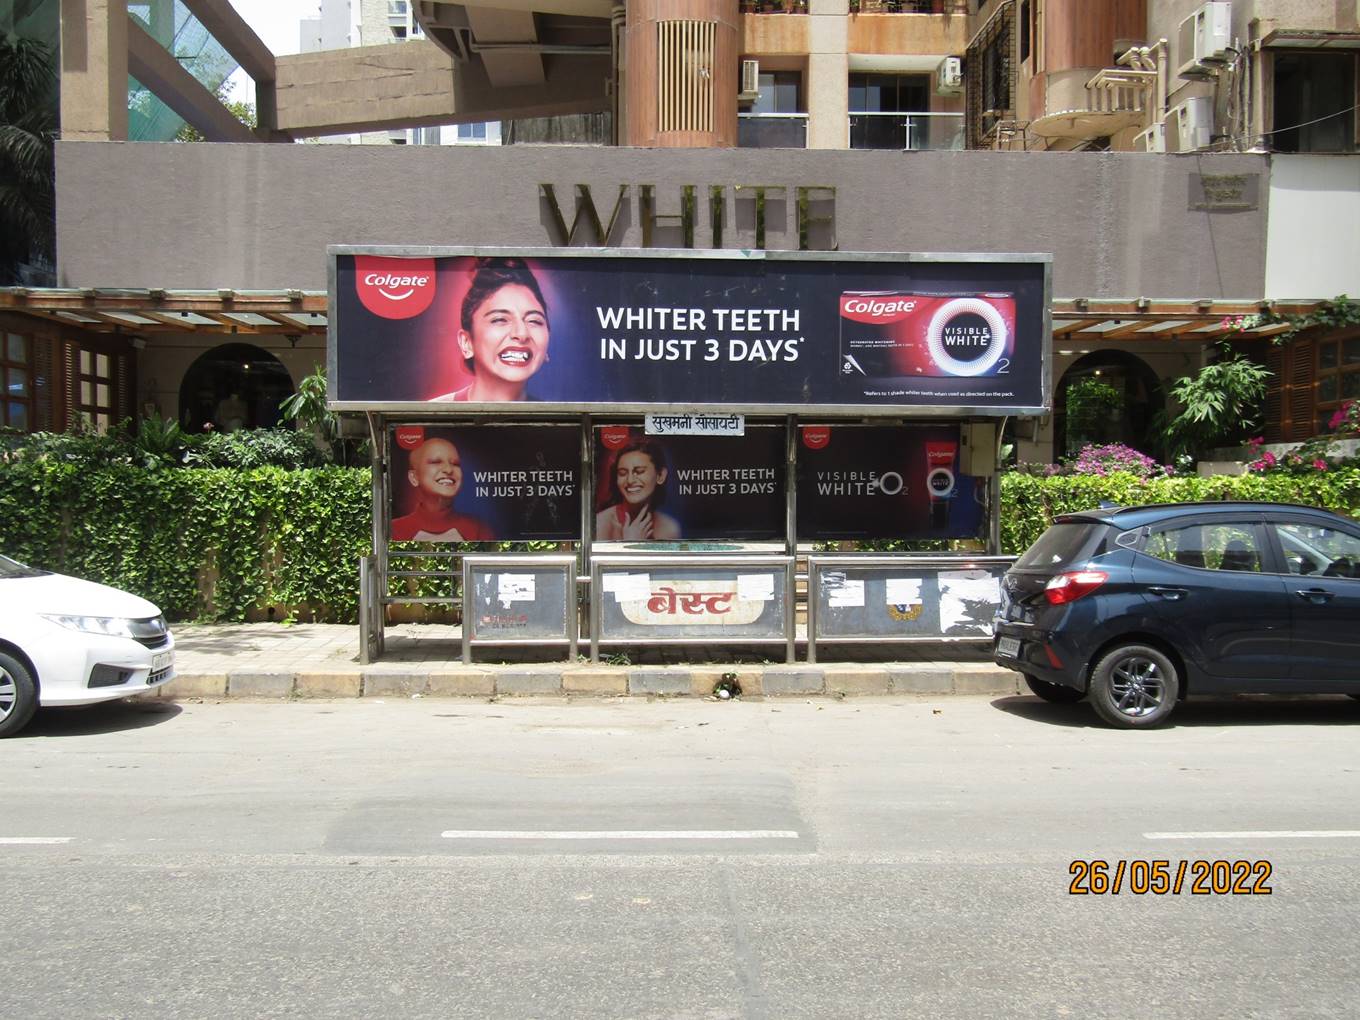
(64, 641)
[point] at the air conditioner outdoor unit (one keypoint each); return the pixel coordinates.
(750, 81)
(1192, 124)
(1151, 140)
(949, 77)
(1203, 40)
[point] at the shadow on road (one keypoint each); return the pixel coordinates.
(88, 720)
(1235, 710)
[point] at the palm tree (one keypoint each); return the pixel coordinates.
(27, 171)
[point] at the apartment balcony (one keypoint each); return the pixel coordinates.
(1116, 98)
(898, 6)
(773, 6)
(772, 130)
(914, 131)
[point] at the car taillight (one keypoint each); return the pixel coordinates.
(1072, 585)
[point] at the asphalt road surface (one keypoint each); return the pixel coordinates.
(875, 858)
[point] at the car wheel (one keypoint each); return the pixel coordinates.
(1134, 687)
(1056, 693)
(18, 695)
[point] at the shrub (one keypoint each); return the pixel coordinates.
(1029, 503)
(1103, 460)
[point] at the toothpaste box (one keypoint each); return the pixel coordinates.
(896, 335)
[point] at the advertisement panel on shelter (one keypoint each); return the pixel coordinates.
(680, 488)
(751, 331)
(485, 483)
(885, 481)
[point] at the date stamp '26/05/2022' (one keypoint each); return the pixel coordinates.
(1162, 877)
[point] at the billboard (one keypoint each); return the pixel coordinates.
(677, 488)
(885, 481)
(621, 331)
(485, 483)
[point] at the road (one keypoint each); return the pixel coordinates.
(874, 858)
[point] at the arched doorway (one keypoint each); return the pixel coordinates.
(1109, 397)
(234, 386)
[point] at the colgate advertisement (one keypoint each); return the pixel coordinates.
(886, 482)
(897, 336)
(757, 333)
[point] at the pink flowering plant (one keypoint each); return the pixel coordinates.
(1105, 459)
(1310, 458)
(1346, 420)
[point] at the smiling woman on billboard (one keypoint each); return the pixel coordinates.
(504, 332)
(436, 476)
(636, 490)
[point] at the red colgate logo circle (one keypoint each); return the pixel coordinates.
(815, 437)
(410, 436)
(614, 436)
(394, 288)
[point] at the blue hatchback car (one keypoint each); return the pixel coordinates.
(1136, 607)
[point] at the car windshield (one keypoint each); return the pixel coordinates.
(1057, 546)
(13, 568)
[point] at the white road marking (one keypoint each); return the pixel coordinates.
(1260, 834)
(32, 840)
(620, 834)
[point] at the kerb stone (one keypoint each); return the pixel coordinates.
(598, 682)
(927, 679)
(261, 685)
(536, 681)
(858, 682)
(466, 683)
(786, 682)
(669, 682)
(196, 685)
(329, 685)
(394, 685)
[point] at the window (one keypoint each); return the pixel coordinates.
(1338, 376)
(94, 389)
(16, 382)
(1314, 102)
(878, 105)
(779, 93)
(1025, 28)
(1207, 546)
(1309, 549)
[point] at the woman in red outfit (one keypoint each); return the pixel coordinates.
(436, 473)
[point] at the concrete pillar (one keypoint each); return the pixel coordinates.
(828, 70)
(94, 70)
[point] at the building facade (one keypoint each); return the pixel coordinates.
(1184, 188)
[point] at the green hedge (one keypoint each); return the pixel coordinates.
(223, 544)
(1029, 503)
(213, 544)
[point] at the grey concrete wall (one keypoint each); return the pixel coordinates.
(260, 216)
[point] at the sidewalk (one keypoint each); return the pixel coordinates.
(313, 660)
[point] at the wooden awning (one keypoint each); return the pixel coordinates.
(143, 312)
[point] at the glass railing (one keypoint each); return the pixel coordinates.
(772, 130)
(906, 131)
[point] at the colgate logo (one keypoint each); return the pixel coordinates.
(394, 288)
(865, 308)
(410, 436)
(815, 437)
(614, 436)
